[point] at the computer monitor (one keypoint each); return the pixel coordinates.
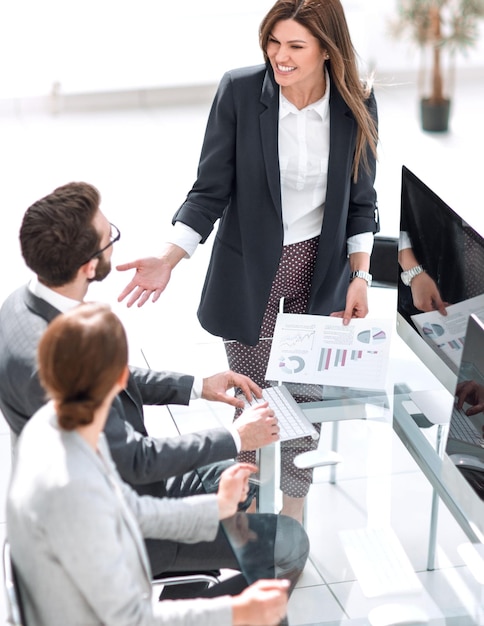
(452, 254)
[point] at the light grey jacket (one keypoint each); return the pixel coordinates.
(76, 533)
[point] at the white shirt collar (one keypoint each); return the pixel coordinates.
(320, 106)
(58, 301)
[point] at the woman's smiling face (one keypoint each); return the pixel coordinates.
(295, 55)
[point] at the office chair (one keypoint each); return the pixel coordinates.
(182, 578)
(209, 578)
(12, 594)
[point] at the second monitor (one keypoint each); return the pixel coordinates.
(451, 252)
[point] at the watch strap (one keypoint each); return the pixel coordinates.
(408, 275)
(362, 274)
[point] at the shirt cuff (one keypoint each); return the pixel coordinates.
(185, 237)
(197, 388)
(363, 242)
(404, 241)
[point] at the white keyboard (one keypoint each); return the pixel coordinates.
(292, 422)
(462, 428)
(379, 561)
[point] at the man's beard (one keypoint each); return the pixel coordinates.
(102, 270)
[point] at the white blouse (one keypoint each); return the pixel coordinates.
(303, 163)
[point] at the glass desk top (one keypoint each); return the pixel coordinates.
(380, 414)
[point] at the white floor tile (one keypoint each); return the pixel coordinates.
(313, 605)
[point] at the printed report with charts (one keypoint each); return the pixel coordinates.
(317, 349)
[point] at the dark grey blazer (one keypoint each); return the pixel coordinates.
(239, 183)
(142, 461)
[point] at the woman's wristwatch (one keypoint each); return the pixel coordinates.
(408, 275)
(361, 274)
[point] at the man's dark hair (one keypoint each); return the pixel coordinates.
(57, 234)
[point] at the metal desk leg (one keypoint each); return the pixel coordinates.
(434, 511)
(334, 447)
(266, 502)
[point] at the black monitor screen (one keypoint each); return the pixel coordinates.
(452, 254)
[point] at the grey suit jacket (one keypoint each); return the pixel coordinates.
(239, 183)
(76, 533)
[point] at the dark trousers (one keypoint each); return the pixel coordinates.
(292, 283)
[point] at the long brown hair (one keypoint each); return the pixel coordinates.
(325, 20)
(81, 355)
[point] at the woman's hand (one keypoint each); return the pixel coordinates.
(356, 301)
(233, 488)
(264, 603)
(426, 294)
(152, 275)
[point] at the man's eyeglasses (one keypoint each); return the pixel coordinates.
(114, 237)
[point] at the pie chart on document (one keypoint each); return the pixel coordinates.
(292, 364)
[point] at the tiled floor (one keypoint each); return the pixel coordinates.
(144, 160)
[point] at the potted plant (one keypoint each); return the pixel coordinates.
(438, 26)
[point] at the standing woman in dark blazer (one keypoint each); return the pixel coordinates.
(288, 167)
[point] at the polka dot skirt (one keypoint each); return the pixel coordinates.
(292, 283)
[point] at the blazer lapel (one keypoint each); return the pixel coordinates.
(269, 121)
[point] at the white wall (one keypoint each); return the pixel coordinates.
(105, 45)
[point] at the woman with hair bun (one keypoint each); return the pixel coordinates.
(76, 529)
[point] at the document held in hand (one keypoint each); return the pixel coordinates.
(317, 349)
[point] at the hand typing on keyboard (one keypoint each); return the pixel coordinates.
(257, 426)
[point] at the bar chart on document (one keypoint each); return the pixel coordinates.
(318, 349)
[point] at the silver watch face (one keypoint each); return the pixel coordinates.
(406, 279)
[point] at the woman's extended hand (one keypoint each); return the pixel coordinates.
(152, 275)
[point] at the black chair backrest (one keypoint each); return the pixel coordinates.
(384, 262)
